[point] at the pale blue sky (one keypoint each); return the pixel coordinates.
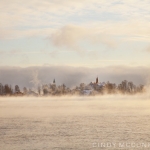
(89, 33)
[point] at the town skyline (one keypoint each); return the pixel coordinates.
(72, 76)
(92, 88)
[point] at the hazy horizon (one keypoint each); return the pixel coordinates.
(72, 76)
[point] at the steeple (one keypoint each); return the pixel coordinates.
(54, 81)
(96, 80)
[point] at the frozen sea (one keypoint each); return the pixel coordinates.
(75, 123)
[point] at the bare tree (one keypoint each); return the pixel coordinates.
(7, 89)
(17, 90)
(1, 89)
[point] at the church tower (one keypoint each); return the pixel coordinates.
(97, 80)
(54, 81)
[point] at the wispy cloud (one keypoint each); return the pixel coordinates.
(86, 27)
(19, 52)
(71, 37)
(36, 18)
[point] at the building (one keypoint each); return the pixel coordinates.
(97, 85)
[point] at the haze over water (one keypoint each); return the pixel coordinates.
(75, 123)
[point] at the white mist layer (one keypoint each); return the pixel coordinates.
(59, 106)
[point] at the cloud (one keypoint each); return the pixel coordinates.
(135, 30)
(19, 52)
(22, 18)
(68, 35)
(108, 33)
(71, 36)
(72, 76)
(67, 7)
(12, 52)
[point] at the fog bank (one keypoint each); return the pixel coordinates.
(67, 106)
(71, 76)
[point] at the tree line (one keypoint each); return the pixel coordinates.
(124, 87)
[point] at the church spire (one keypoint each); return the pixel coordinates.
(54, 81)
(96, 80)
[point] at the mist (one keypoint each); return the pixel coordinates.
(73, 105)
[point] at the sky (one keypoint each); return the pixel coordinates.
(79, 33)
